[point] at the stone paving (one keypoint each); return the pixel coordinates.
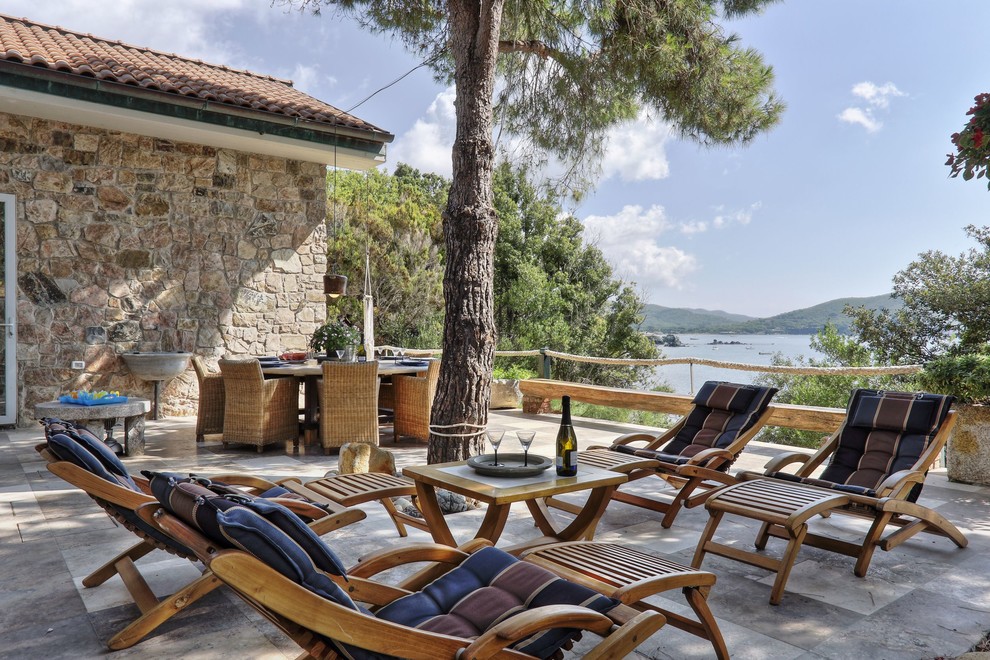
(926, 599)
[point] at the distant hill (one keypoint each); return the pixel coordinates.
(805, 321)
(678, 319)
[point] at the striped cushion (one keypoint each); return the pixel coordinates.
(194, 500)
(487, 588)
(80, 446)
(722, 411)
(884, 432)
(284, 542)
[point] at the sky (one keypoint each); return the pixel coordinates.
(846, 191)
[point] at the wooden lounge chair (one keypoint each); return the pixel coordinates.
(258, 412)
(348, 404)
(80, 458)
(413, 401)
(209, 417)
(694, 456)
(470, 602)
(877, 461)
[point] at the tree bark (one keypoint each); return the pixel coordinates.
(460, 410)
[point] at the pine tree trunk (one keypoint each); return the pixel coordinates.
(470, 228)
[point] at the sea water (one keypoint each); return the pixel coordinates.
(747, 349)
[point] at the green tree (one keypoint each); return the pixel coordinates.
(822, 390)
(570, 71)
(396, 219)
(946, 308)
(551, 289)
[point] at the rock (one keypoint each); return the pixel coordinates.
(451, 502)
(358, 457)
(505, 394)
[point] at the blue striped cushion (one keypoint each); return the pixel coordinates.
(80, 446)
(487, 588)
(721, 413)
(884, 432)
(280, 539)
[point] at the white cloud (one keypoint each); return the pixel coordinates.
(877, 97)
(635, 151)
(630, 240)
(721, 220)
(426, 146)
(862, 117)
(185, 27)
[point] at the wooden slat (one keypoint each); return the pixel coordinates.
(806, 418)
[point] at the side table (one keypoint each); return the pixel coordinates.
(133, 411)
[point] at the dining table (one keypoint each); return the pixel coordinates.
(309, 372)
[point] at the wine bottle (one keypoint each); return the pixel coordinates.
(566, 442)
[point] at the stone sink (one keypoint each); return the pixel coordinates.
(160, 365)
(156, 367)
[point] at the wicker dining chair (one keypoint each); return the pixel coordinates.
(348, 403)
(209, 418)
(257, 411)
(414, 401)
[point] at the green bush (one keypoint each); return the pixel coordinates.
(964, 376)
(513, 372)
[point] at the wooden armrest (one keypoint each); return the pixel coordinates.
(895, 482)
(629, 438)
(532, 621)
(257, 484)
(706, 455)
(706, 473)
(388, 558)
(786, 458)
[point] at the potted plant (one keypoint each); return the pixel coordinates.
(333, 336)
(967, 377)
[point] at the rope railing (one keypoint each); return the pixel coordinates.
(742, 366)
(896, 370)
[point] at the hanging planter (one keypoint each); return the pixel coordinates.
(335, 285)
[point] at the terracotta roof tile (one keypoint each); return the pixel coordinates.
(26, 42)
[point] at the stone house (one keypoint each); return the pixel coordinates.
(155, 202)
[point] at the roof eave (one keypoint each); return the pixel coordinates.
(78, 99)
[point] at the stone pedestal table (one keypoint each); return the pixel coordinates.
(133, 411)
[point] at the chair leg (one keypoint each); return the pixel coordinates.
(394, 515)
(696, 599)
(200, 437)
(786, 564)
(715, 517)
(109, 569)
(158, 612)
(870, 542)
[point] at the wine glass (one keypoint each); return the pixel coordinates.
(526, 440)
(340, 353)
(495, 437)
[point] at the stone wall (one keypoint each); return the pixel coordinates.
(127, 242)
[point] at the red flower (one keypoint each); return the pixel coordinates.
(977, 137)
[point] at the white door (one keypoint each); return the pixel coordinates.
(8, 294)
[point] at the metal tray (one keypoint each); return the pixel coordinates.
(510, 465)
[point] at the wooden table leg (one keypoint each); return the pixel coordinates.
(584, 524)
(494, 522)
(430, 508)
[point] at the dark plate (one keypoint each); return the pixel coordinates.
(511, 465)
(413, 363)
